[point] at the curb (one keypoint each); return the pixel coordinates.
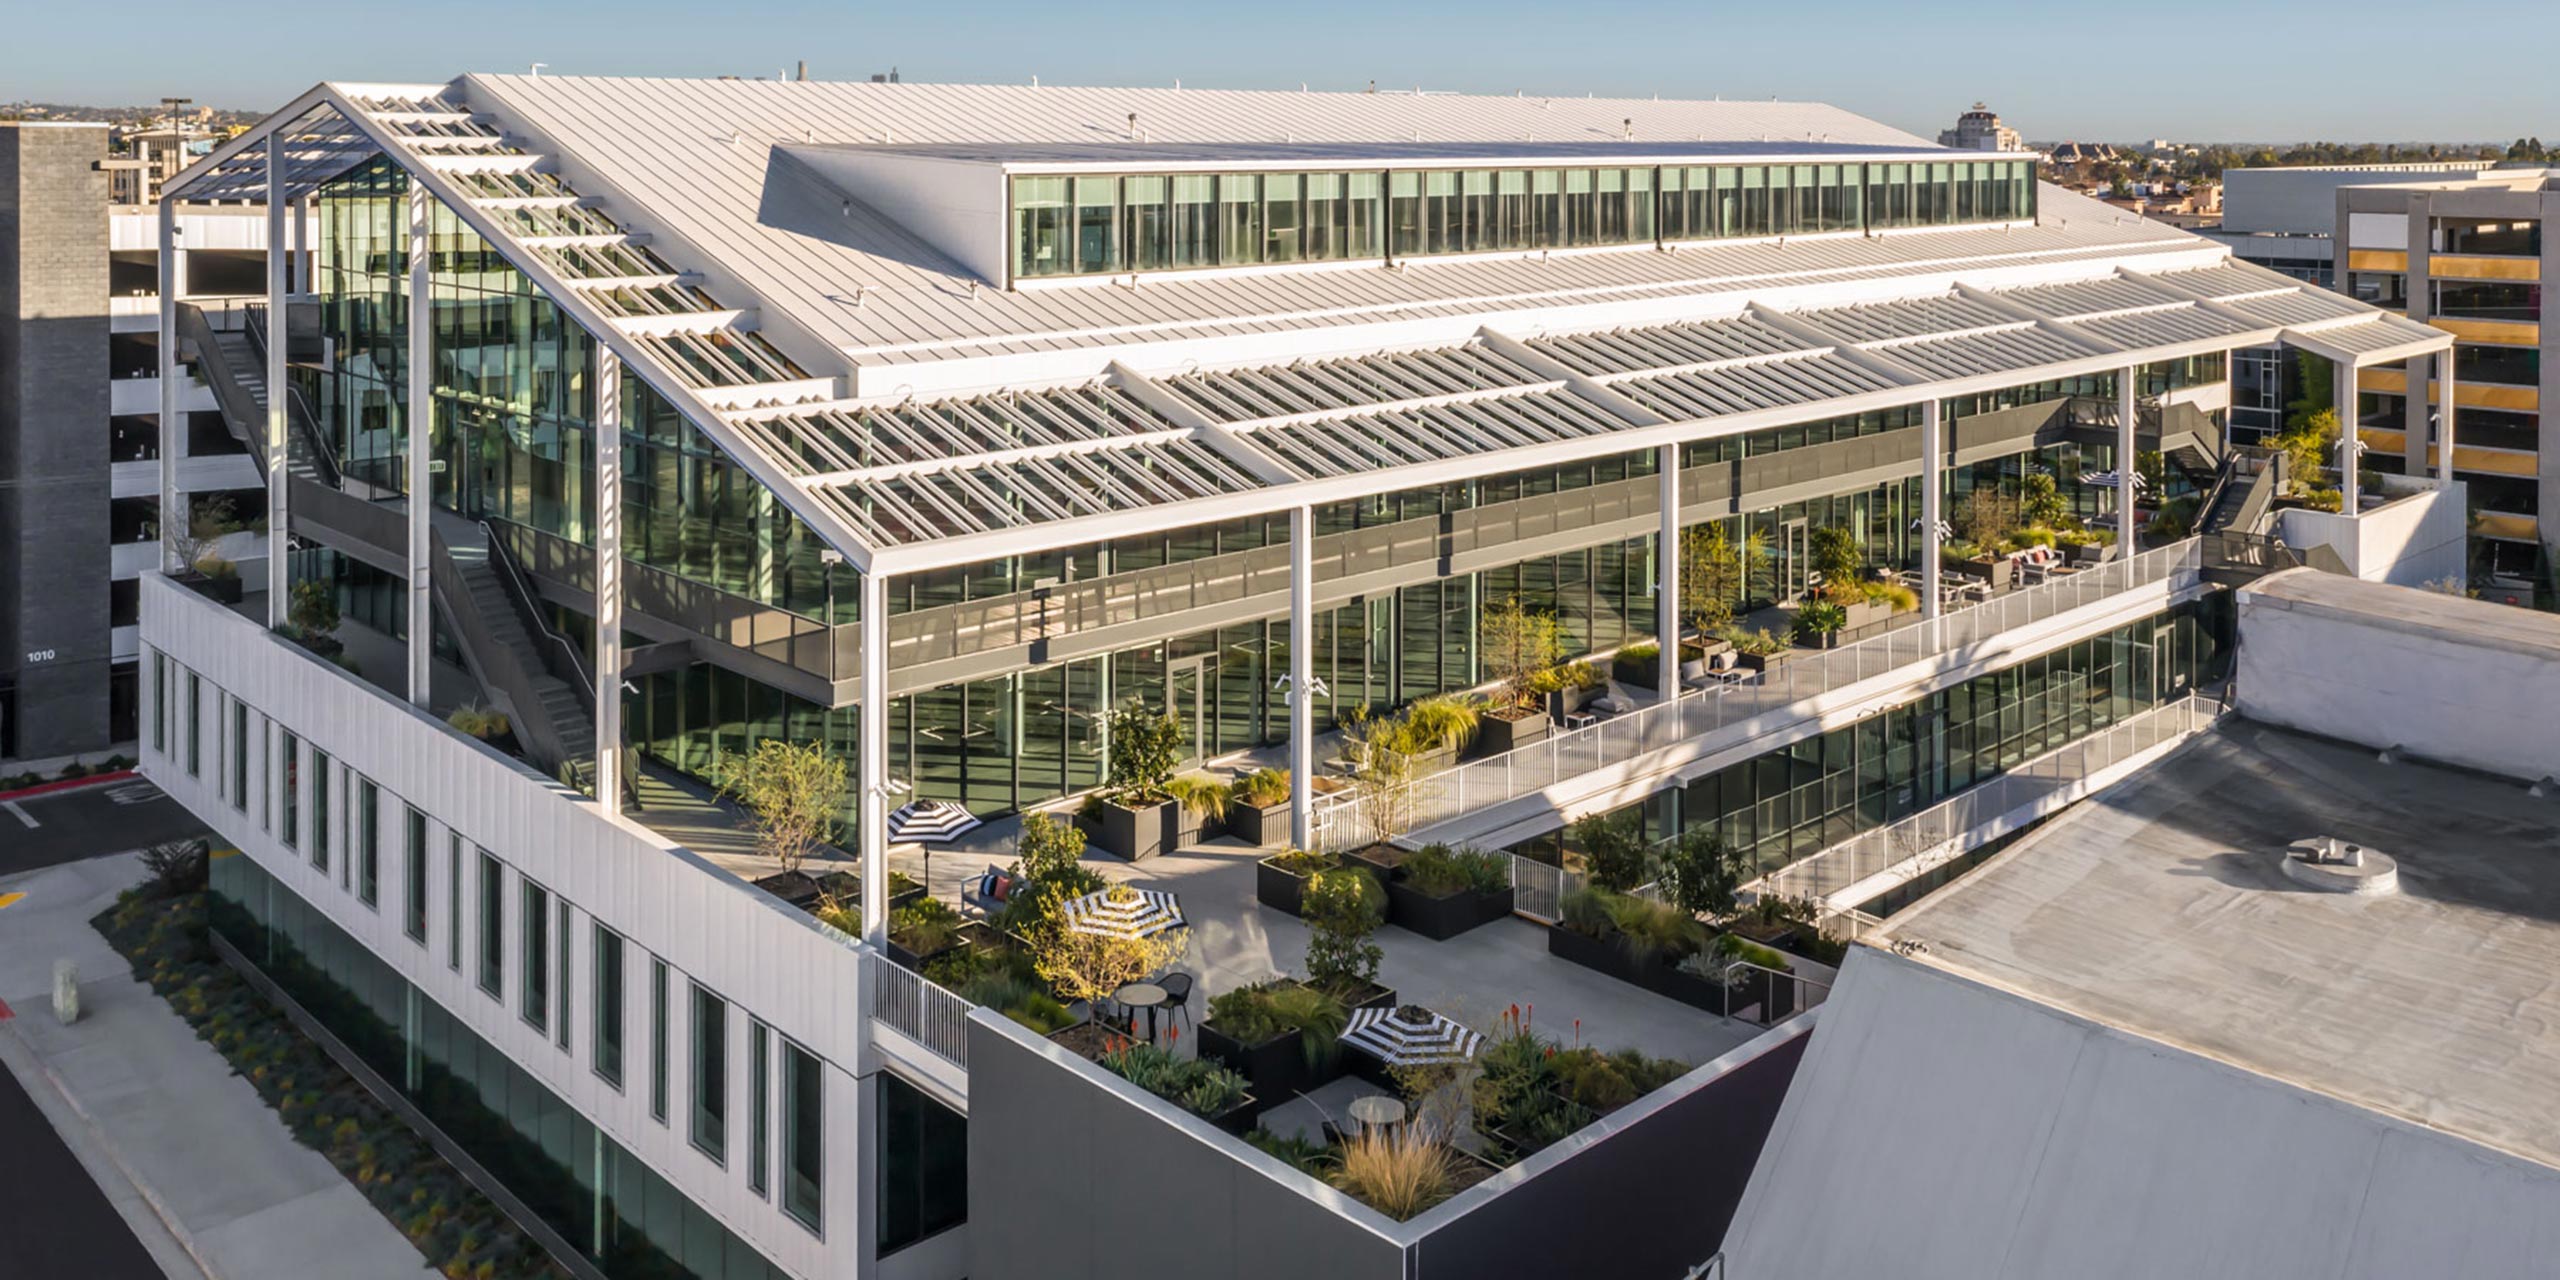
(151, 1199)
(68, 784)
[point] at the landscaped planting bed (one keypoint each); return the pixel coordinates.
(447, 1218)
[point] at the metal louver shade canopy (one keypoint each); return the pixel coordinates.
(929, 822)
(1387, 1036)
(1123, 912)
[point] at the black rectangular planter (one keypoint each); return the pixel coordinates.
(910, 960)
(1263, 828)
(1443, 918)
(1276, 1068)
(1381, 859)
(1643, 673)
(220, 590)
(1658, 974)
(1138, 834)
(1279, 888)
(1190, 829)
(1495, 735)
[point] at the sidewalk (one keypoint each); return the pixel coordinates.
(206, 1175)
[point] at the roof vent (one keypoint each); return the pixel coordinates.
(2332, 865)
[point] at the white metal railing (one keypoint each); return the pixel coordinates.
(1351, 819)
(2043, 780)
(909, 1004)
(1538, 888)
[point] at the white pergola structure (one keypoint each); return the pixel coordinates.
(901, 487)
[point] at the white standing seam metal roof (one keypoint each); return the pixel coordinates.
(682, 256)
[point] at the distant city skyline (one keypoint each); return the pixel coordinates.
(2052, 75)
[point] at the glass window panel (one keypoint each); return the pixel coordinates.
(1040, 226)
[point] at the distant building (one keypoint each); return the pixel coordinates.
(1980, 130)
(2457, 244)
(2083, 153)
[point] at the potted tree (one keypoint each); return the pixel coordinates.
(1280, 881)
(792, 793)
(1137, 816)
(1715, 572)
(1516, 642)
(1258, 807)
(1988, 518)
(1440, 892)
(1343, 908)
(1087, 968)
(313, 618)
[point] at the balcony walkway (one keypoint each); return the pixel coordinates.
(1621, 758)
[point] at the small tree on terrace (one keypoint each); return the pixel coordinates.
(1518, 642)
(793, 791)
(1613, 844)
(1090, 966)
(1989, 516)
(1714, 572)
(1145, 746)
(1700, 874)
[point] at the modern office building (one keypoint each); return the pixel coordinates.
(942, 421)
(2475, 226)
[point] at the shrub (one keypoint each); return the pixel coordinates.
(1647, 928)
(1818, 618)
(1260, 1013)
(1586, 911)
(1640, 651)
(925, 926)
(1090, 966)
(1436, 871)
(1738, 947)
(1700, 874)
(174, 867)
(2040, 500)
(1443, 721)
(216, 567)
(1261, 788)
(1343, 907)
(1613, 844)
(1758, 643)
(1304, 862)
(1987, 517)
(1200, 796)
(1047, 847)
(1295, 1151)
(1899, 598)
(474, 720)
(1202, 1088)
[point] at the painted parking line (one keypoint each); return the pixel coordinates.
(23, 816)
(8, 900)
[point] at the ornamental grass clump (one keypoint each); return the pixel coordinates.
(1399, 1173)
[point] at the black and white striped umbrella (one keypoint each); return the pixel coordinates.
(1946, 532)
(1123, 912)
(2107, 480)
(1425, 1039)
(929, 822)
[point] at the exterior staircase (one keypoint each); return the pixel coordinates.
(496, 630)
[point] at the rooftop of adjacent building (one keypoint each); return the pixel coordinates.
(2161, 909)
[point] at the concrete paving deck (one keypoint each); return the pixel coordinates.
(210, 1180)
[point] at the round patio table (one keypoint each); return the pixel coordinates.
(1142, 995)
(1376, 1109)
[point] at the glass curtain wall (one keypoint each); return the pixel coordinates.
(1088, 225)
(603, 1200)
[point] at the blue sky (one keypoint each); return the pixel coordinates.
(2236, 70)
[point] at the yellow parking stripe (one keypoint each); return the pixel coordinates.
(10, 899)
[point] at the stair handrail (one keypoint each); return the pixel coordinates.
(500, 667)
(238, 409)
(520, 594)
(300, 419)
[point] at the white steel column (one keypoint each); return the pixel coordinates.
(2128, 459)
(2444, 412)
(1933, 455)
(608, 490)
(417, 422)
(308, 277)
(1667, 573)
(279, 402)
(173, 508)
(1302, 663)
(871, 746)
(2350, 442)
